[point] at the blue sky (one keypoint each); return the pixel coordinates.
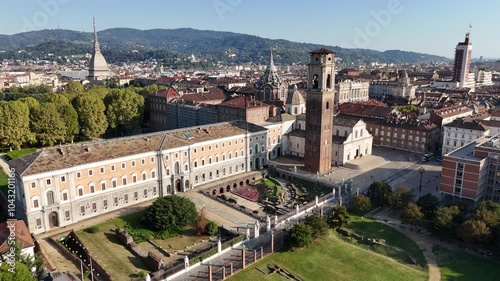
(428, 26)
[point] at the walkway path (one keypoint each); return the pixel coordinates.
(423, 242)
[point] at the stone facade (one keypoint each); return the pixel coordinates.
(348, 90)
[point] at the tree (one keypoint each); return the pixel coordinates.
(73, 87)
(379, 191)
(170, 213)
(400, 198)
(211, 228)
(301, 235)
(474, 231)
(124, 108)
(318, 225)
(340, 217)
(48, 126)
(429, 204)
(21, 273)
(90, 109)
(57, 99)
(489, 213)
(200, 222)
(70, 119)
(14, 124)
(411, 215)
(444, 222)
(360, 203)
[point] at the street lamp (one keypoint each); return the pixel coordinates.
(421, 171)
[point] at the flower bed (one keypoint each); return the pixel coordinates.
(248, 192)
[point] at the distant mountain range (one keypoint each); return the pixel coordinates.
(211, 45)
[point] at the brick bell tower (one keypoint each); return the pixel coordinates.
(319, 111)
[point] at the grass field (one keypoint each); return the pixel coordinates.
(122, 264)
(459, 266)
(119, 262)
(20, 153)
(402, 248)
(331, 258)
(3, 188)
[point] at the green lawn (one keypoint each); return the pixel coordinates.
(3, 182)
(459, 266)
(331, 258)
(20, 153)
(401, 247)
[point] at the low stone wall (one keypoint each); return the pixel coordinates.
(152, 260)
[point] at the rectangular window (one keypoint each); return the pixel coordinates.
(35, 203)
(101, 170)
(91, 172)
(123, 166)
(115, 199)
(134, 178)
(105, 203)
(92, 189)
(124, 181)
(65, 196)
(82, 210)
(103, 185)
(144, 176)
(136, 195)
(33, 184)
(66, 215)
(63, 179)
(48, 181)
(39, 223)
(125, 197)
(152, 159)
(80, 192)
(113, 183)
(112, 167)
(143, 161)
(132, 163)
(94, 207)
(153, 174)
(78, 175)
(145, 193)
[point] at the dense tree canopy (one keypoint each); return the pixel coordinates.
(340, 217)
(428, 204)
(170, 213)
(360, 203)
(474, 231)
(90, 109)
(21, 273)
(400, 198)
(379, 191)
(301, 235)
(411, 215)
(318, 225)
(124, 108)
(14, 124)
(48, 125)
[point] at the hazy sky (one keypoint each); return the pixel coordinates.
(428, 26)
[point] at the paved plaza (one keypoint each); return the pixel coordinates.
(392, 166)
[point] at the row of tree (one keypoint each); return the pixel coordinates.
(314, 226)
(32, 118)
(479, 225)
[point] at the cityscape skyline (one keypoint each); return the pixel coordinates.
(422, 26)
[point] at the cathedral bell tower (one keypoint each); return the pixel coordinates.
(319, 111)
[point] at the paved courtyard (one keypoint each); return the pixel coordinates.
(393, 166)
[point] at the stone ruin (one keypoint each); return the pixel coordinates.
(151, 259)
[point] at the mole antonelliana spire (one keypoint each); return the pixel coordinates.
(98, 67)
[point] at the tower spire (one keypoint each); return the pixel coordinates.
(96, 42)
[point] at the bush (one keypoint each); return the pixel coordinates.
(138, 234)
(170, 213)
(300, 235)
(165, 234)
(211, 228)
(141, 274)
(92, 229)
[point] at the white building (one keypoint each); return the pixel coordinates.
(295, 103)
(462, 131)
(484, 78)
(351, 139)
(402, 88)
(351, 91)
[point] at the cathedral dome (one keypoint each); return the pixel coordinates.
(296, 98)
(270, 75)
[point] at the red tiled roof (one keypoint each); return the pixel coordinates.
(22, 235)
(167, 93)
(359, 109)
(242, 102)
